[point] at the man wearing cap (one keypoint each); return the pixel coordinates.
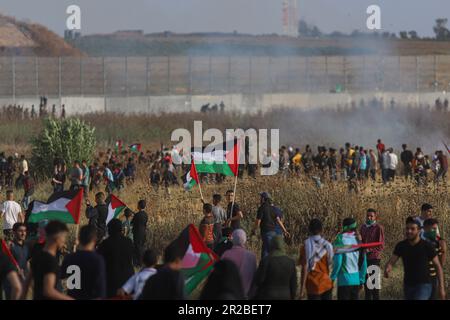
(266, 220)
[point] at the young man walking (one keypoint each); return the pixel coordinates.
(416, 254)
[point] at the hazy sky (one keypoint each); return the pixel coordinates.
(245, 16)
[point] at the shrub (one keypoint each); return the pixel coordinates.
(70, 140)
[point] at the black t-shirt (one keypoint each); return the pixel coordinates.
(166, 284)
(93, 275)
(42, 264)
(268, 217)
(6, 267)
(235, 224)
(415, 261)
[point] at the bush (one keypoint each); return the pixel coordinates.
(70, 140)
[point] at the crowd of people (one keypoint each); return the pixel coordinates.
(109, 254)
(20, 112)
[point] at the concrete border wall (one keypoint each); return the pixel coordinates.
(233, 102)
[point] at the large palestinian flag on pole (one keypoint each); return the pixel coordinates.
(62, 206)
(115, 207)
(191, 177)
(218, 160)
(198, 260)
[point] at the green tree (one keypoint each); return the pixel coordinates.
(440, 29)
(70, 140)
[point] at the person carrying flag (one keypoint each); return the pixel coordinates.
(349, 267)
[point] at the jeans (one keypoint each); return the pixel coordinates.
(266, 239)
(348, 293)
(418, 292)
(385, 175)
(327, 295)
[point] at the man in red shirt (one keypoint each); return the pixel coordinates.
(372, 231)
(380, 146)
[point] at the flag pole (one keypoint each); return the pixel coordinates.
(77, 229)
(200, 189)
(234, 194)
(235, 178)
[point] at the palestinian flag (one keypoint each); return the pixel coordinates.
(353, 247)
(191, 177)
(218, 160)
(136, 147)
(118, 146)
(115, 207)
(198, 260)
(7, 252)
(62, 206)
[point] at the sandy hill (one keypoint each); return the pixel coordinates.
(23, 38)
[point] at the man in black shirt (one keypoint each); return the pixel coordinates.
(168, 282)
(266, 220)
(407, 157)
(416, 254)
(139, 224)
(44, 265)
(233, 218)
(97, 215)
(92, 284)
(117, 251)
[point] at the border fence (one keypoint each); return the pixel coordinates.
(210, 75)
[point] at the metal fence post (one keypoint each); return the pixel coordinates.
(417, 74)
(210, 75)
(59, 81)
(436, 84)
(327, 78)
(168, 74)
(308, 76)
(126, 77)
(250, 79)
(400, 86)
(148, 79)
(36, 70)
(105, 103)
(229, 75)
(269, 71)
(14, 79)
(190, 75)
(289, 73)
(344, 70)
(147, 84)
(81, 76)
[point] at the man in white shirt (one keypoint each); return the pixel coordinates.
(393, 163)
(10, 212)
(136, 283)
